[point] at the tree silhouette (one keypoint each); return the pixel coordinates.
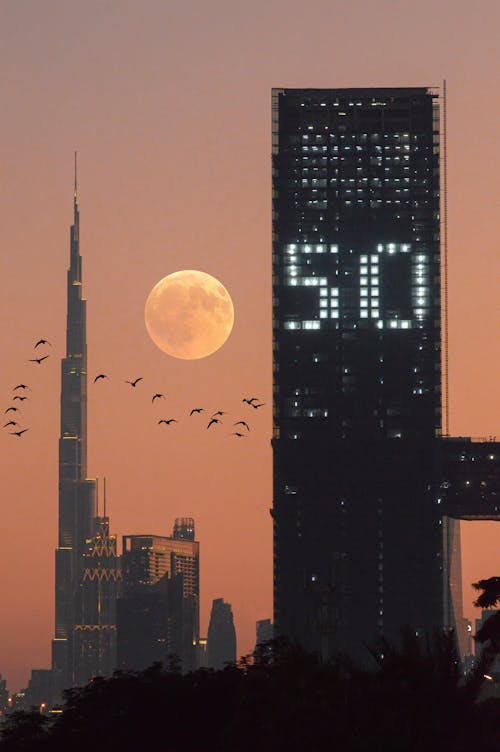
(279, 698)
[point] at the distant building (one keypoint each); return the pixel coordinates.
(158, 612)
(38, 694)
(264, 631)
(221, 647)
(4, 696)
(201, 653)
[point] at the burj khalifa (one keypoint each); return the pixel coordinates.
(87, 567)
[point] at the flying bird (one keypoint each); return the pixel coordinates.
(42, 342)
(38, 360)
(249, 400)
(157, 396)
(11, 423)
(100, 376)
(197, 410)
(19, 398)
(258, 405)
(168, 422)
(213, 420)
(242, 423)
(21, 386)
(19, 433)
(13, 409)
(219, 412)
(135, 382)
(239, 435)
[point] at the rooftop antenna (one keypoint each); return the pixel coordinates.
(97, 497)
(104, 515)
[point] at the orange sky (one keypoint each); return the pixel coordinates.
(168, 105)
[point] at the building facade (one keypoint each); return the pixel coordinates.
(357, 365)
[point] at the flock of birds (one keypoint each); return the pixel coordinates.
(213, 419)
(18, 393)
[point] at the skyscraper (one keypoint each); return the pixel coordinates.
(158, 613)
(221, 637)
(357, 364)
(75, 656)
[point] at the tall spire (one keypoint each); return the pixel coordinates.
(75, 195)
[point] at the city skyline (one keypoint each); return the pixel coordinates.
(157, 185)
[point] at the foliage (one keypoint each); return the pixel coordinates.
(283, 699)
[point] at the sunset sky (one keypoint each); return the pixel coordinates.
(169, 106)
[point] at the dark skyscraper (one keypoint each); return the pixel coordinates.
(366, 537)
(357, 364)
(82, 536)
(221, 637)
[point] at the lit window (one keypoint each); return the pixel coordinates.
(334, 292)
(323, 314)
(364, 259)
(334, 314)
(334, 249)
(364, 292)
(292, 325)
(310, 325)
(363, 280)
(364, 314)
(363, 303)
(323, 293)
(323, 303)
(363, 270)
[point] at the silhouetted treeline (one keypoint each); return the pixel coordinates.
(282, 699)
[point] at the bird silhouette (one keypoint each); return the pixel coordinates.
(42, 342)
(219, 412)
(168, 422)
(197, 410)
(100, 376)
(258, 405)
(38, 360)
(19, 398)
(213, 420)
(238, 435)
(19, 433)
(157, 396)
(11, 409)
(249, 400)
(135, 382)
(20, 386)
(242, 423)
(11, 423)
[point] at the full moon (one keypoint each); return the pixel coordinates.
(189, 314)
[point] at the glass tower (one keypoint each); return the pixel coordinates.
(358, 542)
